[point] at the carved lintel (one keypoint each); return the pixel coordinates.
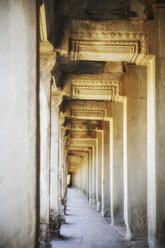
(88, 109)
(83, 133)
(116, 40)
(83, 127)
(80, 124)
(75, 148)
(107, 86)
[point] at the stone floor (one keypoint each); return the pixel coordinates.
(85, 228)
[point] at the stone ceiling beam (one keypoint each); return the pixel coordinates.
(92, 110)
(105, 86)
(116, 40)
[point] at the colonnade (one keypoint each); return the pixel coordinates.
(104, 133)
(96, 111)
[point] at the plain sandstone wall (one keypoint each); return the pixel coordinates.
(17, 123)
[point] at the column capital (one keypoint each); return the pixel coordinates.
(47, 57)
(56, 100)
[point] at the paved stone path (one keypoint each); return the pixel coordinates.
(85, 228)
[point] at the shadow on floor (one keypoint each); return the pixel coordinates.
(86, 228)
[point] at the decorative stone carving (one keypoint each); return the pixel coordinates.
(88, 109)
(107, 86)
(139, 220)
(118, 40)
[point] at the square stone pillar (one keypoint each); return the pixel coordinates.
(47, 61)
(90, 176)
(156, 139)
(94, 165)
(117, 189)
(84, 174)
(99, 170)
(62, 171)
(87, 175)
(44, 157)
(106, 170)
(54, 167)
(135, 153)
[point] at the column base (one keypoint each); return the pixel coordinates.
(90, 202)
(98, 206)
(137, 225)
(54, 225)
(118, 214)
(94, 203)
(102, 213)
(136, 235)
(118, 219)
(62, 210)
(157, 242)
(45, 238)
(106, 213)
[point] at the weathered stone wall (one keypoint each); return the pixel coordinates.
(18, 126)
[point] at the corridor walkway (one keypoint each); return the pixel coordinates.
(85, 228)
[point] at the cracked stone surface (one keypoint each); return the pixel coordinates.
(86, 228)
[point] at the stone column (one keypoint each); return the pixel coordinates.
(117, 191)
(86, 174)
(54, 167)
(61, 190)
(135, 161)
(106, 170)
(99, 170)
(64, 175)
(83, 175)
(19, 112)
(156, 139)
(47, 61)
(45, 79)
(90, 177)
(94, 166)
